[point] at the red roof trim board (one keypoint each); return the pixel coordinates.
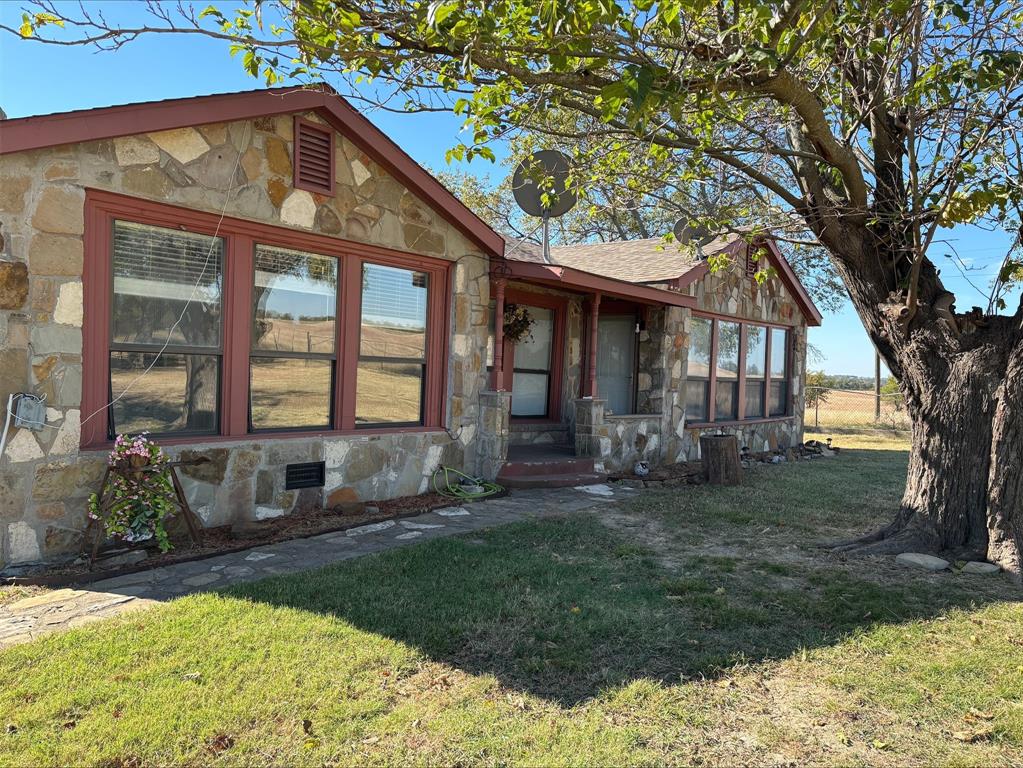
(27, 133)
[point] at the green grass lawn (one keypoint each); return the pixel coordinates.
(692, 626)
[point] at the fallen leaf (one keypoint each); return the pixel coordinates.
(307, 727)
(220, 743)
(971, 737)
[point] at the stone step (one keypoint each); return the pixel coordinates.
(568, 480)
(546, 465)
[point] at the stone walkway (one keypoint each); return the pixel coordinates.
(34, 616)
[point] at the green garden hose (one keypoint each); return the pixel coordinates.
(456, 488)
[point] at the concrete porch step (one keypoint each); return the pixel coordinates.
(549, 466)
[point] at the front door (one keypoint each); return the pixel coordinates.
(616, 362)
(529, 362)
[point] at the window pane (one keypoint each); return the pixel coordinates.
(393, 312)
(779, 352)
(534, 352)
(290, 392)
(699, 348)
(728, 351)
(295, 301)
(179, 393)
(726, 396)
(697, 394)
(756, 351)
(779, 398)
(389, 393)
(529, 394)
(754, 399)
(616, 361)
(166, 283)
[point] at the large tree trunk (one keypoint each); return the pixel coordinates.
(964, 393)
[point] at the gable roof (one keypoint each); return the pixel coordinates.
(653, 261)
(28, 133)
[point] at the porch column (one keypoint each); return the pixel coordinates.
(591, 354)
(497, 381)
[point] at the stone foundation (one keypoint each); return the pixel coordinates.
(492, 442)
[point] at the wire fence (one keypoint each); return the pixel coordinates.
(828, 408)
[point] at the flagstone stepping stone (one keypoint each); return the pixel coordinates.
(371, 528)
(202, 579)
(409, 535)
(257, 556)
(597, 490)
(980, 567)
(919, 560)
(419, 526)
(452, 512)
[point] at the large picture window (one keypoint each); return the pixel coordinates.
(392, 348)
(750, 375)
(293, 339)
(165, 328)
(201, 325)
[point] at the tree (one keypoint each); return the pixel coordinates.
(867, 124)
(816, 389)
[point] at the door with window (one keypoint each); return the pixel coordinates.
(530, 362)
(616, 362)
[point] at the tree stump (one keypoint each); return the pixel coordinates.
(721, 463)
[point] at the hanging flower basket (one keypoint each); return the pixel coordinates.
(518, 323)
(141, 494)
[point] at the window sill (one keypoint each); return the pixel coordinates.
(732, 424)
(631, 416)
(258, 437)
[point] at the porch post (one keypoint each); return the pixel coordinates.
(591, 354)
(497, 384)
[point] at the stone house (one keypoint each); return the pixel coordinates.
(265, 279)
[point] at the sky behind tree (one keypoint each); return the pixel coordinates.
(37, 79)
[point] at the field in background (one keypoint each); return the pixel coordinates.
(846, 409)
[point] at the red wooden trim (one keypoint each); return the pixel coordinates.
(742, 372)
(592, 356)
(96, 291)
(260, 437)
(238, 310)
(736, 319)
(101, 208)
(22, 134)
(349, 336)
(586, 282)
(298, 179)
(712, 406)
(497, 374)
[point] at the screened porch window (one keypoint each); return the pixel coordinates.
(531, 374)
(293, 356)
(779, 371)
(166, 329)
(756, 368)
(616, 362)
(392, 346)
(726, 394)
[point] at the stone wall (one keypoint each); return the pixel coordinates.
(632, 439)
(245, 169)
(732, 292)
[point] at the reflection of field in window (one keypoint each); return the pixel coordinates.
(290, 392)
(388, 393)
(156, 402)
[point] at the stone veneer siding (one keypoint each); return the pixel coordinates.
(45, 479)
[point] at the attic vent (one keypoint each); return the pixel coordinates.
(751, 264)
(309, 475)
(314, 157)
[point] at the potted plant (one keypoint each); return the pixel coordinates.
(141, 495)
(518, 323)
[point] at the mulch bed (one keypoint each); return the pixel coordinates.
(225, 539)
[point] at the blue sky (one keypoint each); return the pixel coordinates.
(37, 79)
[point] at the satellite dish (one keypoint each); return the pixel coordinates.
(687, 233)
(544, 173)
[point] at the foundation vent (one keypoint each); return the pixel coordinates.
(309, 475)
